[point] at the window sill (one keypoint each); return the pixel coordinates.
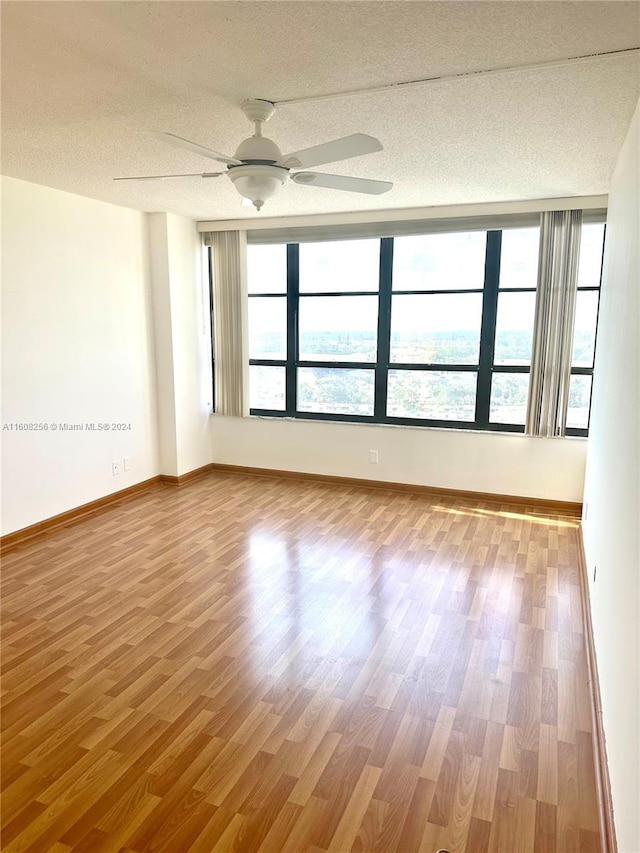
(459, 430)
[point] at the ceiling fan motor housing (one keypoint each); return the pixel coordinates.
(258, 149)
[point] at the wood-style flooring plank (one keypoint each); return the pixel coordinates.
(256, 665)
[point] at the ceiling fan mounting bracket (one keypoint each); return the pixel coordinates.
(257, 109)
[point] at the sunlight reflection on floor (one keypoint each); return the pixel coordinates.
(522, 516)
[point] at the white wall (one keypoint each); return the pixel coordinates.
(77, 347)
(612, 494)
(163, 334)
(183, 343)
(191, 329)
(501, 463)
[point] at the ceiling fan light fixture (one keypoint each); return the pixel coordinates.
(257, 183)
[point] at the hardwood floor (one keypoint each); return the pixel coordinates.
(252, 664)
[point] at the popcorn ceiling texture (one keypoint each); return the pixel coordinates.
(82, 81)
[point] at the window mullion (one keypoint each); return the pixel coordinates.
(384, 329)
(293, 296)
(488, 327)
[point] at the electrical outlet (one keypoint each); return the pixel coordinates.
(373, 457)
(115, 468)
(126, 463)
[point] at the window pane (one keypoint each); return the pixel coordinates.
(338, 391)
(509, 398)
(338, 328)
(436, 329)
(268, 327)
(267, 269)
(266, 387)
(432, 394)
(439, 261)
(584, 334)
(579, 399)
(519, 257)
(345, 265)
(514, 328)
(590, 259)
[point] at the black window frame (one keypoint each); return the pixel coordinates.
(484, 370)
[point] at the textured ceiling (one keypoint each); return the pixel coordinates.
(82, 81)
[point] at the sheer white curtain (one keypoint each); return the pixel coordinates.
(229, 250)
(554, 321)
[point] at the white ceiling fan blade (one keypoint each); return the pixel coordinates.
(179, 142)
(329, 152)
(342, 182)
(160, 177)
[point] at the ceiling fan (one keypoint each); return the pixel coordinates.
(258, 168)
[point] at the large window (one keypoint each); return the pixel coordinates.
(431, 330)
